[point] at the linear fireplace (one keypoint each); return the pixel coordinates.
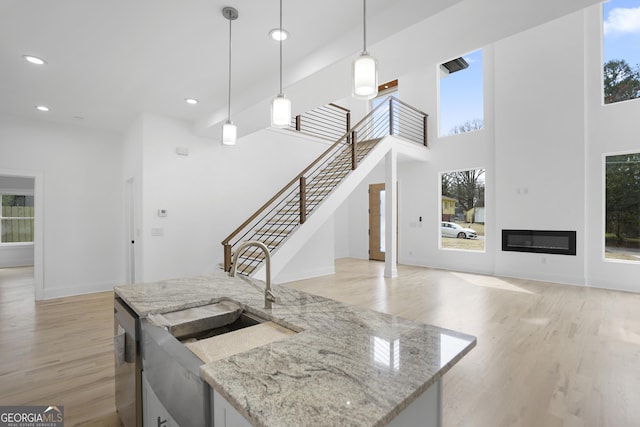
(539, 241)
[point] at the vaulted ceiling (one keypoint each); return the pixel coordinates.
(108, 61)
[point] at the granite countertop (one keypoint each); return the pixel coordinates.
(345, 366)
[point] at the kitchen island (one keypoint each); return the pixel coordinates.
(344, 365)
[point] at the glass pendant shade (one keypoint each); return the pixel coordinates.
(280, 112)
(365, 77)
(229, 133)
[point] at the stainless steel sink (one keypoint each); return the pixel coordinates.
(172, 369)
(244, 320)
(205, 321)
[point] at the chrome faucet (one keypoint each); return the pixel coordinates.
(269, 297)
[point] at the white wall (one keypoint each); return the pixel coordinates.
(315, 259)
(341, 231)
(540, 144)
(545, 135)
(208, 193)
(81, 204)
(11, 183)
(16, 255)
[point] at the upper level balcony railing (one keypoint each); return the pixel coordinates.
(330, 121)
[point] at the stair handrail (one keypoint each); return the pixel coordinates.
(348, 137)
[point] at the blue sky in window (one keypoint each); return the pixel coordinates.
(461, 97)
(621, 25)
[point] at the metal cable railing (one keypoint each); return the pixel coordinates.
(329, 121)
(274, 222)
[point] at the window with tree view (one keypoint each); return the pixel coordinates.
(462, 210)
(461, 95)
(621, 53)
(622, 218)
(16, 221)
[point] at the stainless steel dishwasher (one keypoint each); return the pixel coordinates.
(128, 364)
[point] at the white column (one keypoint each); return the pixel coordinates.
(391, 214)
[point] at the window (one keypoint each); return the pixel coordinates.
(461, 95)
(621, 53)
(462, 210)
(622, 206)
(16, 219)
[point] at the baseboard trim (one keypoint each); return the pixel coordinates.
(309, 274)
(51, 293)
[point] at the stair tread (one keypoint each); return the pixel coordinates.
(245, 269)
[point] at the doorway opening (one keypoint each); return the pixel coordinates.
(21, 225)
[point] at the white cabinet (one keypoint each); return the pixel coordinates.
(154, 413)
(225, 415)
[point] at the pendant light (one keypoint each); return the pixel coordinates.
(280, 106)
(365, 68)
(229, 130)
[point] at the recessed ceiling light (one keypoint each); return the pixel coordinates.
(278, 35)
(34, 59)
(42, 108)
(191, 101)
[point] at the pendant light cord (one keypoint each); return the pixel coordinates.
(281, 37)
(229, 100)
(364, 19)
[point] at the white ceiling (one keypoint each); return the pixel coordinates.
(109, 61)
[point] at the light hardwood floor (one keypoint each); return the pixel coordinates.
(56, 352)
(547, 354)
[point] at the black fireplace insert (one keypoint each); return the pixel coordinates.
(539, 241)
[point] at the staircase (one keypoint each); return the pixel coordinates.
(287, 211)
